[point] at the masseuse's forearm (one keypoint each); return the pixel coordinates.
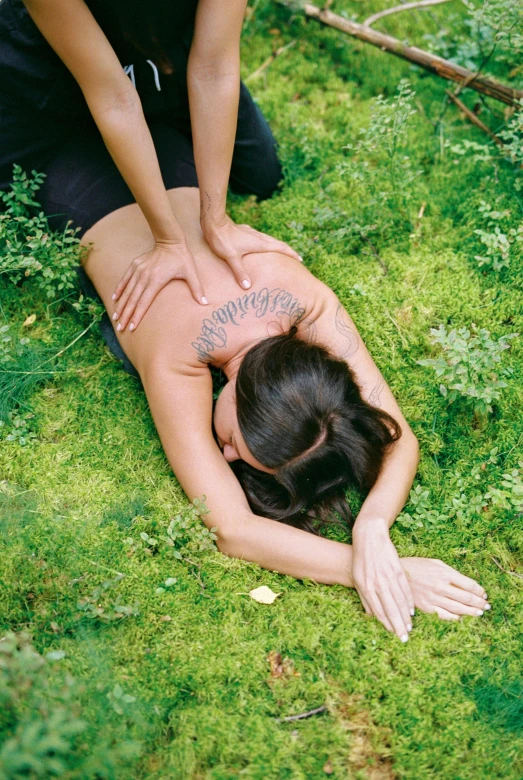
(213, 97)
(390, 492)
(288, 550)
(129, 142)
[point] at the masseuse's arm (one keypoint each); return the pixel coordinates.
(213, 80)
(72, 31)
(377, 572)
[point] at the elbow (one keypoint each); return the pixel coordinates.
(214, 67)
(229, 541)
(113, 102)
(412, 443)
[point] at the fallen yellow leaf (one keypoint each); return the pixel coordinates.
(29, 320)
(263, 595)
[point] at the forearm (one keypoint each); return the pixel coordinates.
(391, 490)
(128, 140)
(213, 97)
(288, 550)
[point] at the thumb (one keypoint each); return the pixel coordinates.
(240, 274)
(196, 287)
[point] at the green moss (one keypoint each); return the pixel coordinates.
(194, 657)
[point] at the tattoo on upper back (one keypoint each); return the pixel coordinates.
(213, 333)
(350, 338)
(375, 395)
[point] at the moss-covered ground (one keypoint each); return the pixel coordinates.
(182, 686)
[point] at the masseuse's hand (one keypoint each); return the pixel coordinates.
(231, 242)
(379, 577)
(148, 274)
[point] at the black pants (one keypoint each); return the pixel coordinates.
(82, 182)
(45, 125)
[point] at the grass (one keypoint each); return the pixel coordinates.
(181, 685)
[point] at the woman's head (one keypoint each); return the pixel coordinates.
(300, 415)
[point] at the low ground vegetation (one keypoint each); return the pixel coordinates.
(130, 645)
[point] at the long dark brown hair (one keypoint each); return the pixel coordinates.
(301, 413)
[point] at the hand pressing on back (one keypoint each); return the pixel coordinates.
(148, 274)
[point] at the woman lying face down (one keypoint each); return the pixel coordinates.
(304, 415)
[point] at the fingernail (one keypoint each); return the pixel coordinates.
(485, 596)
(404, 638)
(479, 612)
(204, 300)
(487, 606)
(113, 297)
(412, 611)
(115, 316)
(131, 326)
(409, 627)
(246, 284)
(119, 326)
(300, 258)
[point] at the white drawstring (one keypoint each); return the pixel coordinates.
(129, 71)
(156, 76)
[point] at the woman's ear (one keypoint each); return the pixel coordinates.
(230, 454)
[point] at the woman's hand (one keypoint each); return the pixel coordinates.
(148, 274)
(441, 589)
(379, 577)
(231, 242)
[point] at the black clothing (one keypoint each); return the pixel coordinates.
(45, 123)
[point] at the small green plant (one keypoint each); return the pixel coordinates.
(43, 732)
(380, 169)
(187, 532)
(423, 514)
(498, 241)
(18, 429)
(469, 365)
(28, 248)
(510, 495)
(120, 700)
(95, 607)
(10, 347)
(500, 22)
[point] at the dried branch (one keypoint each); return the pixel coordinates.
(431, 62)
(473, 117)
(404, 7)
(505, 571)
(263, 67)
(302, 715)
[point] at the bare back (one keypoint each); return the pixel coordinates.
(283, 292)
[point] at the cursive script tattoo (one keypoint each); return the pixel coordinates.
(213, 333)
(374, 397)
(350, 338)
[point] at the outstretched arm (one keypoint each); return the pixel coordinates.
(377, 571)
(181, 405)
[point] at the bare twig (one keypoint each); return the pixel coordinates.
(302, 715)
(505, 571)
(473, 117)
(430, 62)
(197, 574)
(263, 67)
(376, 254)
(398, 8)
